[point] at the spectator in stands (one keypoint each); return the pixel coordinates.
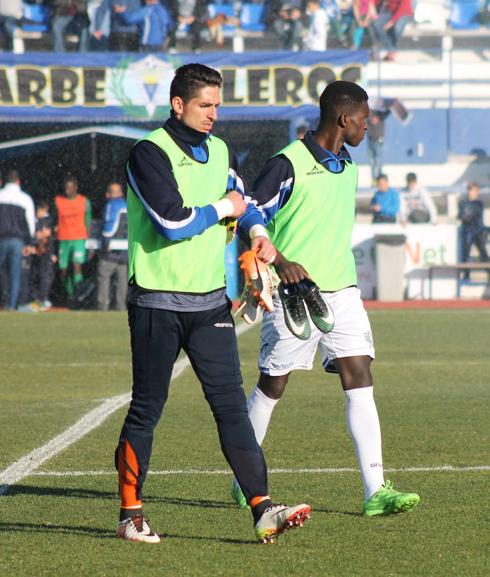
(113, 256)
(393, 16)
(17, 229)
(99, 12)
(173, 9)
(343, 23)
(364, 13)
(70, 13)
(316, 37)
(473, 229)
(42, 270)
(10, 14)
(375, 138)
(124, 37)
(285, 18)
(154, 22)
(385, 204)
(416, 204)
(73, 216)
(193, 13)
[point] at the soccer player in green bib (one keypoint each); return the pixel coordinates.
(304, 202)
(182, 185)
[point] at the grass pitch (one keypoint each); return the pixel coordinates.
(432, 390)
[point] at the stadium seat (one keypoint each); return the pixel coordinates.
(464, 14)
(252, 18)
(226, 10)
(35, 18)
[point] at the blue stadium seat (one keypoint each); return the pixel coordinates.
(464, 14)
(37, 16)
(252, 17)
(225, 9)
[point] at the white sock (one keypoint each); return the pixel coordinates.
(260, 408)
(363, 426)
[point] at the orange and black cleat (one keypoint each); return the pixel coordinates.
(259, 286)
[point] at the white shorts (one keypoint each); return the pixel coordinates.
(281, 352)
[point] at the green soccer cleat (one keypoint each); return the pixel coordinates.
(238, 496)
(320, 311)
(387, 501)
(295, 315)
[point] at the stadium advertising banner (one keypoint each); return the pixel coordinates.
(124, 87)
(426, 245)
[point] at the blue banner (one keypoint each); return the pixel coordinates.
(96, 87)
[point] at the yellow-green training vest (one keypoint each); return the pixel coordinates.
(194, 265)
(314, 228)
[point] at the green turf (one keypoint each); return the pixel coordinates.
(432, 393)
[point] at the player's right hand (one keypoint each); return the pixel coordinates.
(239, 204)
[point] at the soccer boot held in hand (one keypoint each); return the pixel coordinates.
(320, 311)
(259, 286)
(294, 309)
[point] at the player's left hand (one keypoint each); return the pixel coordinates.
(266, 251)
(289, 272)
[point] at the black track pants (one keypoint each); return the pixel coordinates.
(208, 338)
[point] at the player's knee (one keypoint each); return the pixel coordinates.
(355, 373)
(273, 387)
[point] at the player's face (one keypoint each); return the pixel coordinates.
(357, 125)
(201, 111)
(71, 189)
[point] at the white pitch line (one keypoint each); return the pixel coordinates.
(90, 421)
(324, 471)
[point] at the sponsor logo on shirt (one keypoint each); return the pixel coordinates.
(316, 170)
(184, 162)
(223, 325)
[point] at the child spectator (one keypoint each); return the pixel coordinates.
(316, 38)
(385, 204)
(416, 204)
(154, 22)
(473, 229)
(42, 270)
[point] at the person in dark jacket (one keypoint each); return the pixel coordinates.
(473, 229)
(17, 229)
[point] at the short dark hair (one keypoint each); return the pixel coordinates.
(70, 178)
(43, 203)
(13, 175)
(341, 96)
(381, 175)
(411, 177)
(190, 78)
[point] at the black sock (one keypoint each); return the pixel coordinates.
(129, 513)
(259, 509)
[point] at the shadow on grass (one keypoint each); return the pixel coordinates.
(98, 533)
(337, 512)
(84, 493)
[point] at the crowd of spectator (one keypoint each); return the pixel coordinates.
(38, 243)
(55, 240)
(154, 25)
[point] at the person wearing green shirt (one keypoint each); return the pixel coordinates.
(73, 214)
(304, 202)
